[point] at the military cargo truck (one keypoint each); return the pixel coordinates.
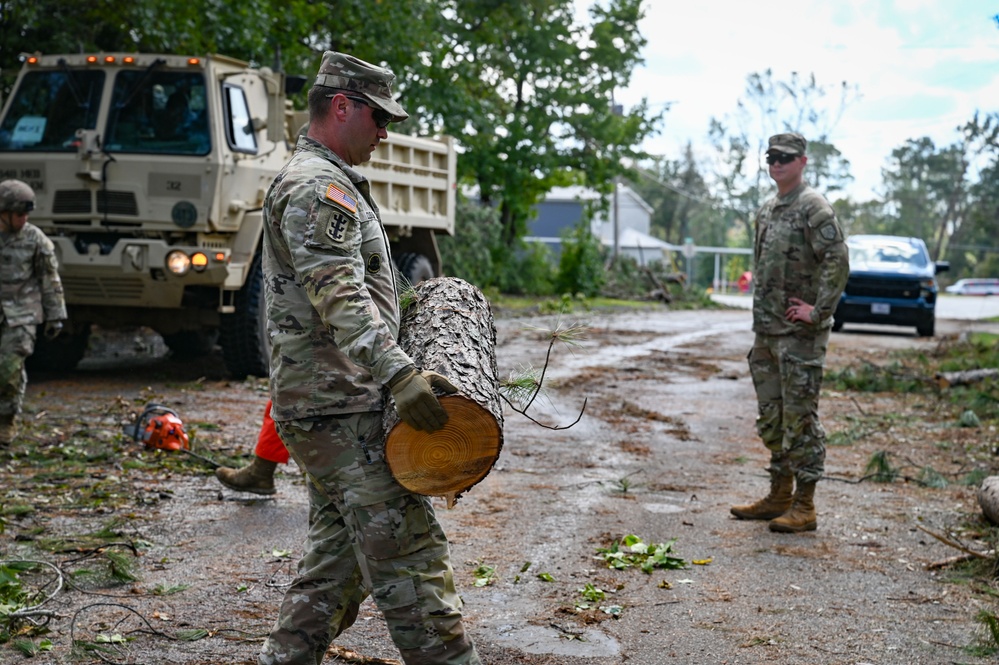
(150, 173)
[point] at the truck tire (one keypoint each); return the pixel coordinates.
(190, 344)
(415, 267)
(837, 324)
(927, 328)
(243, 334)
(60, 354)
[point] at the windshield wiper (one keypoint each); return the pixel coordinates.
(72, 85)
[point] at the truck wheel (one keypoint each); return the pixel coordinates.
(243, 334)
(926, 329)
(837, 324)
(415, 267)
(190, 344)
(60, 354)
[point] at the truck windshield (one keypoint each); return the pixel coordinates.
(885, 252)
(47, 109)
(159, 112)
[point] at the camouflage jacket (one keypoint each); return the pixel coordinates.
(330, 288)
(30, 288)
(799, 253)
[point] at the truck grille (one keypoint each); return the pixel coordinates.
(117, 203)
(99, 290)
(78, 202)
(880, 287)
(71, 202)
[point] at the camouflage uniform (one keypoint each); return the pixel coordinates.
(333, 311)
(799, 252)
(30, 294)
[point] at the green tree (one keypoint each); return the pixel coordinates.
(468, 254)
(528, 91)
(860, 217)
(530, 94)
(682, 204)
(925, 187)
(972, 247)
(581, 263)
(259, 31)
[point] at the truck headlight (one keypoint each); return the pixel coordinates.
(178, 263)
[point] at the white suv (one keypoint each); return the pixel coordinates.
(975, 286)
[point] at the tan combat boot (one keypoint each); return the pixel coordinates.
(8, 429)
(773, 505)
(257, 478)
(801, 516)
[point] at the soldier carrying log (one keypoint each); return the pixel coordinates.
(333, 311)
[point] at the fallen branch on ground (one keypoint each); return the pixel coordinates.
(958, 546)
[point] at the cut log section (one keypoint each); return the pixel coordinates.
(988, 499)
(449, 329)
(965, 378)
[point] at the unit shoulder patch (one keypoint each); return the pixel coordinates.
(829, 232)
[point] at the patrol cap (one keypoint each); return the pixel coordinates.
(791, 143)
(16, 196)
(339, 70)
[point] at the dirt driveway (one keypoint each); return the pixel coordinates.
(665, 446)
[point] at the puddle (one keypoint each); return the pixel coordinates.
(542, 640)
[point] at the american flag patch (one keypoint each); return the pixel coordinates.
(337, 195)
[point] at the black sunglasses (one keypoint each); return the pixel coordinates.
(382, 118)
(780, 158)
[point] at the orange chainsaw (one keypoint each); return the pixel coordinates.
(159, 427)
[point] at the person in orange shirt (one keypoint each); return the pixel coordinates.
(258, 476)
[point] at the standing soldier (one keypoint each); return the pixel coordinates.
(801, 267)
(30, 294)
(333, 319)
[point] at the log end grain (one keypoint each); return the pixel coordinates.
(451, 460)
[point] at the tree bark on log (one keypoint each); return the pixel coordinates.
(967, 377)
(448, 328)
(988, 498)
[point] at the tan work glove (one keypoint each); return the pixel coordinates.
(415, 400)
(52, 329)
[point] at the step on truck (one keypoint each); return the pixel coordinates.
(150, 172)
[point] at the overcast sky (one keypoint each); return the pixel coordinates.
(923, 67)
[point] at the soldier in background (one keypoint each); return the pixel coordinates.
(333, 320)
(30, 294)
(801, 267)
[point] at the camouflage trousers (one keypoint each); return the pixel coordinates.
(787, 375)
(16, 344)
(367, 536)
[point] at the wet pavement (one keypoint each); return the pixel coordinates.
(665, 446)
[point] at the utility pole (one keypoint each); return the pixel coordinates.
(618, 110)
(617, 226)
